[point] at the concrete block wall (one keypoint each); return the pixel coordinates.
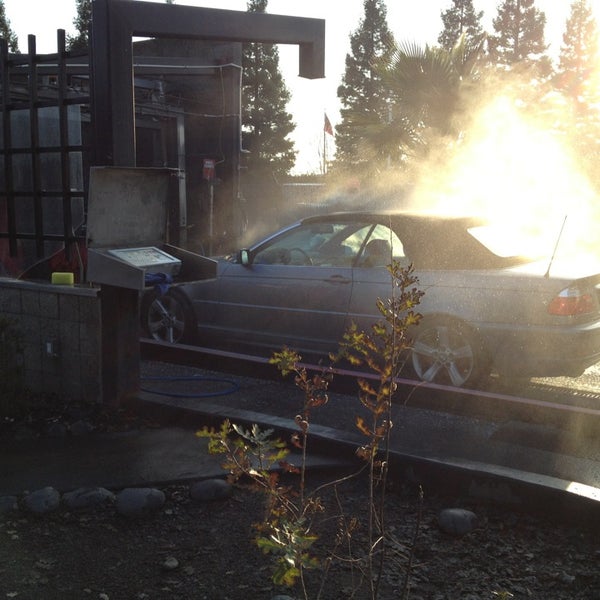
(60, 331)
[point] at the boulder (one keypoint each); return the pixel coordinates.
(89, 498)
(457, 521)
(211, 489)
(137, 502)
(43, 500)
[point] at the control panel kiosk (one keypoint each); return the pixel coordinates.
(126, 229)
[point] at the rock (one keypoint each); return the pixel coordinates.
(8, 504)
(56, 429)
(566, 578)
(170, 563)
(136, 502)
(43, 500)
(457, 521)
(211, 489)
(89, 498)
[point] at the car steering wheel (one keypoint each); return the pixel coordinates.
(307, 258)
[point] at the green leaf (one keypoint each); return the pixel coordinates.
(285, 575)
(268, 545)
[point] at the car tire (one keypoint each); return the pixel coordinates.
(448, 352)
(168, 317)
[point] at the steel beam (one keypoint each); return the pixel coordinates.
(116, 22)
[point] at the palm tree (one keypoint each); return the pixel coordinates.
(429, 87)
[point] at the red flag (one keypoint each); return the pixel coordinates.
(327, 128)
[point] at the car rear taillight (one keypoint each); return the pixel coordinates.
(571, 302)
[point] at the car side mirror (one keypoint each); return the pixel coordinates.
(245, 256)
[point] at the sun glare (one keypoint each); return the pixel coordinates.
(518, 172)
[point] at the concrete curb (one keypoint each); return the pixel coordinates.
(436, 474)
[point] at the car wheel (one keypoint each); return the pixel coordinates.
(167, 317)
(448, 353)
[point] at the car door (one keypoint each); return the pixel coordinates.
(295, 292)
(371, 277)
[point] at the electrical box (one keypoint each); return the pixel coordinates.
(128, 211)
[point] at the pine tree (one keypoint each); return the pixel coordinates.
(6, 32)
(82, 21)
(578, 78)
(461, 20)
(364, 98)
(266, 124)
(579, 51)
(520, 33)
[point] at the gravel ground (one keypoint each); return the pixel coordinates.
(192, 551)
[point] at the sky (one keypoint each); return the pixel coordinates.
(410, 21)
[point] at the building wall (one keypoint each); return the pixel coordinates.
(60, 332)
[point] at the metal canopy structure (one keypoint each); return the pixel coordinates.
(116, 22)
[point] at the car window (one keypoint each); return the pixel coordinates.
(317, 244)
(505, 242)
(382, 245)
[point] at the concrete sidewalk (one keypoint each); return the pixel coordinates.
(153, 457)
(111, 460)
(521, 465)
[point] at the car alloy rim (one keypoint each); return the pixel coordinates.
(441, 354)
(166, 321)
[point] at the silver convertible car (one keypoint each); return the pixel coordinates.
(301, 287)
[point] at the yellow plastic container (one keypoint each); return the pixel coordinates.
(63, 278)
